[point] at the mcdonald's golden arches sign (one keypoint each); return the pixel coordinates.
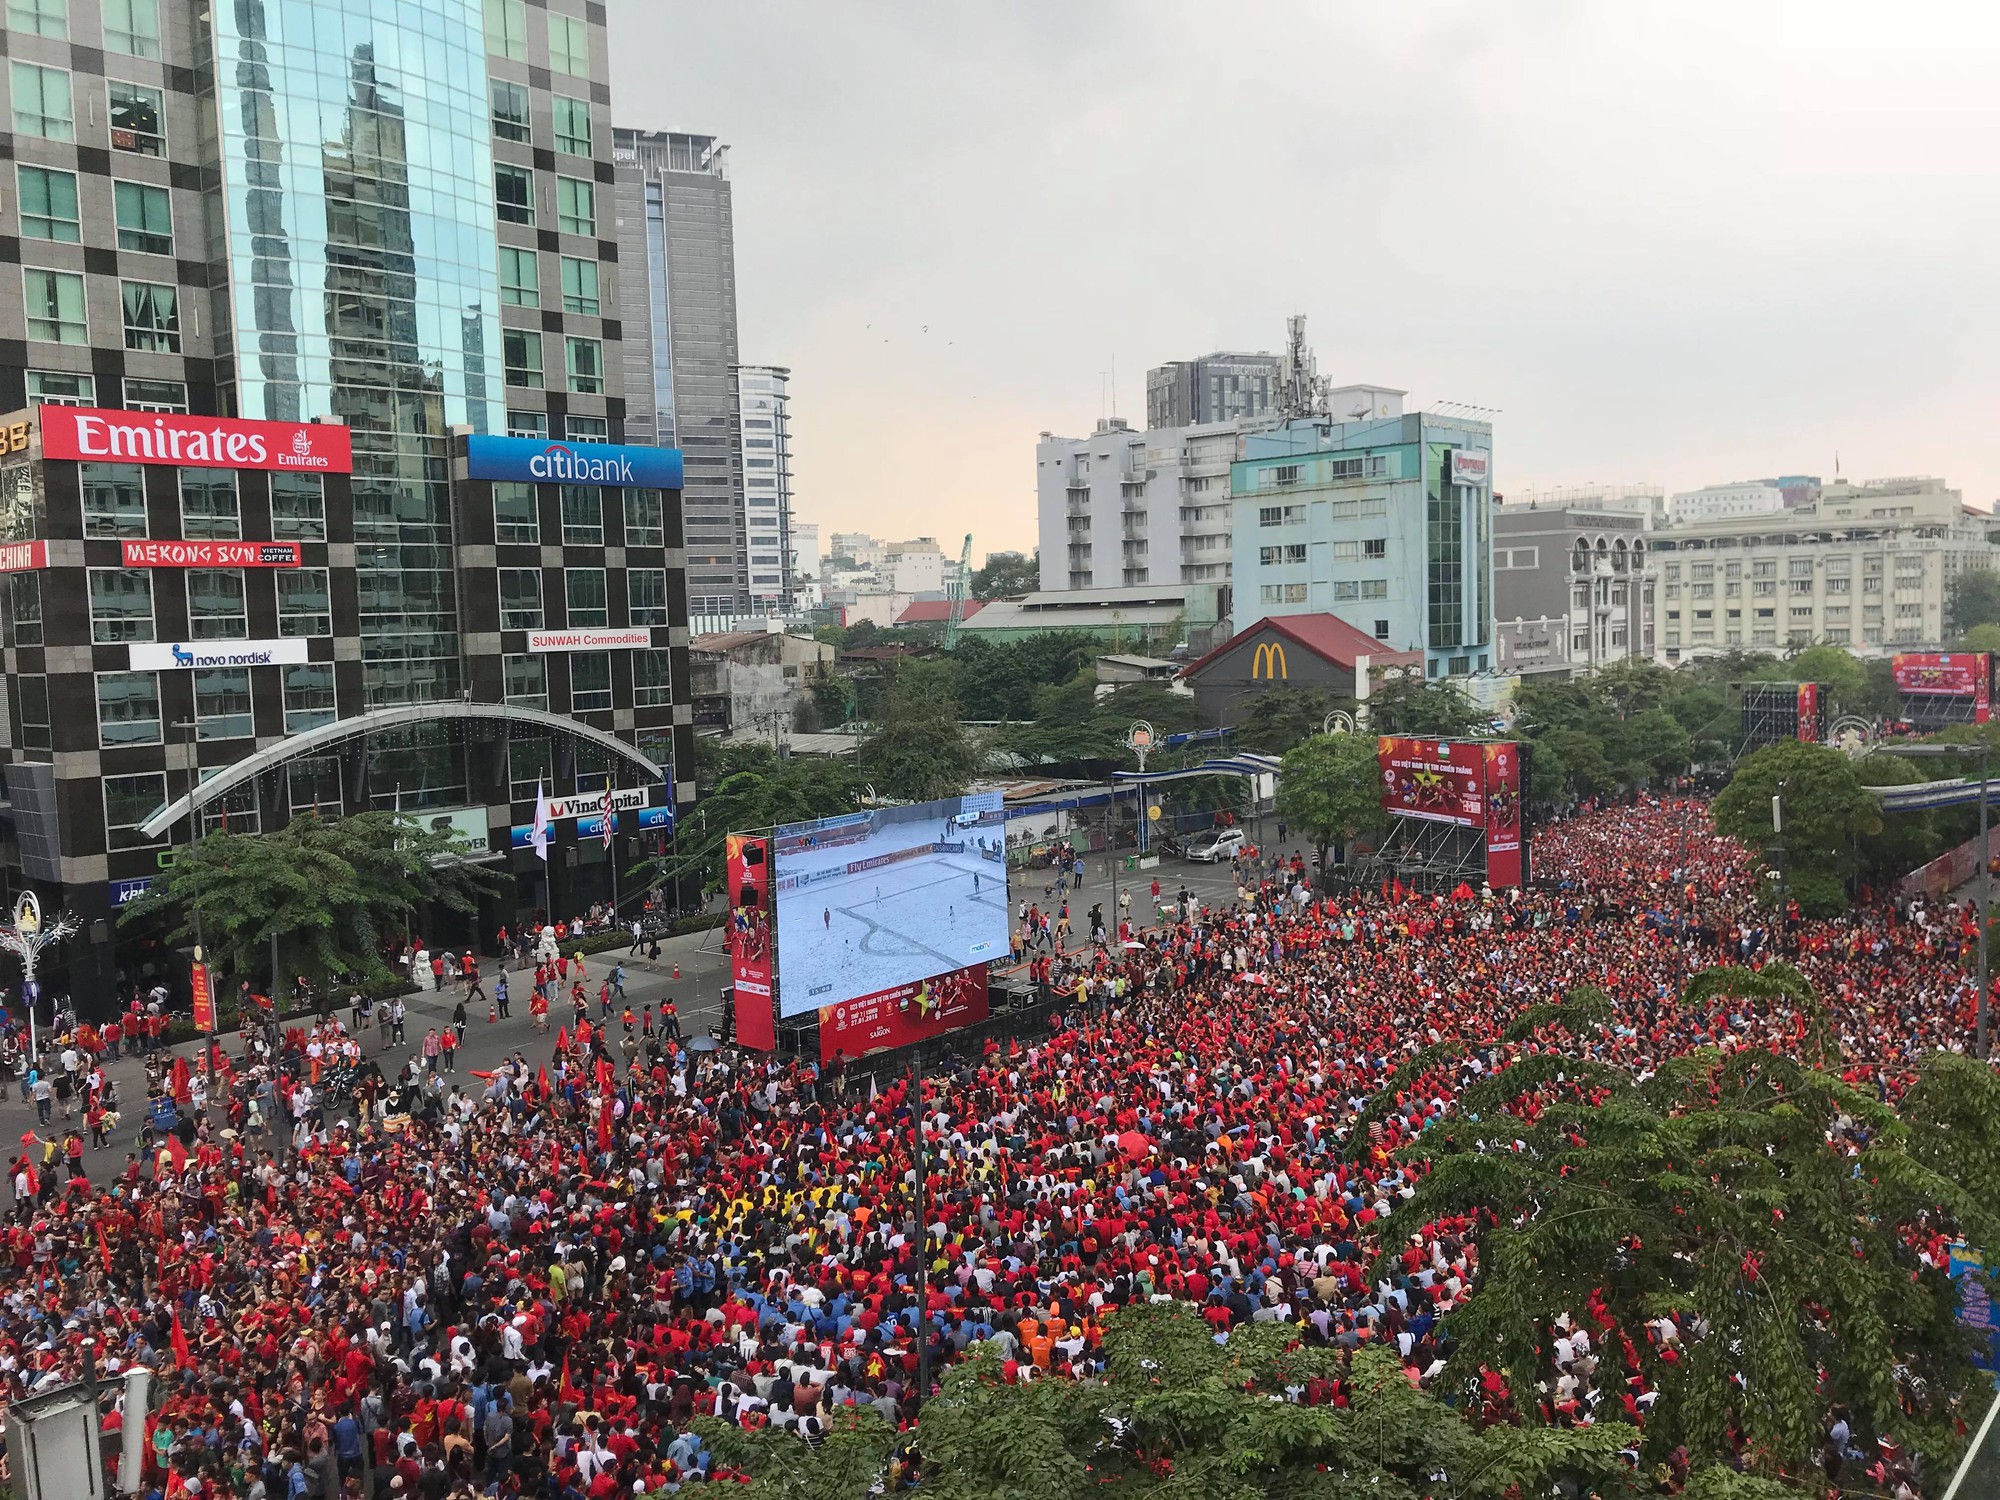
(1269, 662)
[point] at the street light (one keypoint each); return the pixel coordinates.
(25, 937)
(1984, 750)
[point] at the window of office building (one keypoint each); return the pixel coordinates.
(37, 731)
(235, 811)
(145, 218)
(305, 602)
(579, 285)
(587, 429)
(516, 516)
(209, 507)
(24, 610)
(312, 785)
(572, 125)
(128, 802)
(61, 388)
(308, 696)
(138, 119)
(569, 45)
(55, 306)
(1375, 547)
(1282, 593)
(155, 395)
(121, 605)
(507, 29)
(298, 507)
(528, 761)
(645, 518)
(47, 200)
(586, 366)
(222, 703)
(152, 316)
(114, 499)
(520, 598)
(132, 27)
(128, 708)
(1269, 557)
(215, 605)
(513, 194)
(586, 596)
(646, 589)
(39, 17)
(589, 681)
(528, 424)
(582, 515)
(520, 278)
(521, 353)
(527, 681)
(510, 111)
(652, 685)
(576, 206)
(42, 104)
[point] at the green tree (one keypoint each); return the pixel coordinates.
(1650, 743)
(999, 682)
(1411, 705)
(1167, 711)
(329, 892)
(1586, 770)
(1710, 1192)
(918, 750)
(1972, 599)
(1281, 717)
(1835, 667)
(745, 789)
(1006, 574)
(1066, 728)
(1826, 808)
(1181, 1417)
(1330, 789)
(1632, 685)
(1982, 638)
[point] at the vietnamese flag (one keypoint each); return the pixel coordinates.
(604, 1073)
(104, 1250)
(564, 1390)
(542, 1081)
(604, 1124)
(182, 1352)
(562, 1039)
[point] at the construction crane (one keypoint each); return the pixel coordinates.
(961, 585)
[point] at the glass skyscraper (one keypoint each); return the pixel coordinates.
(359, 275)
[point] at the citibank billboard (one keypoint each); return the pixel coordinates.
(539, 461)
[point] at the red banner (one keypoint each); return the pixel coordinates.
(908, 1013)
(747, 868)
(1956, 674)
(20, 557)
(1441, 780)
(140, 554)
(204, 1001)
(81, 432)
(1809, 713)
(1503, 814)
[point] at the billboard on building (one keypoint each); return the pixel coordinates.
(872, 900)
(85, 433)
(907, 1013)
(1809, 713)
(747, 868)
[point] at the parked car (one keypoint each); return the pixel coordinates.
(1214, 845)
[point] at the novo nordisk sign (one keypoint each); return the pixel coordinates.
(169, 656)
(539, 461)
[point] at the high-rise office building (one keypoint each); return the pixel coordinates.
(677, 252)
(321, 498)
(1218, 387)
(762, 394)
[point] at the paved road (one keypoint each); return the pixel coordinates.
(696, 994)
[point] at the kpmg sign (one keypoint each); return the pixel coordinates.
(539, 461)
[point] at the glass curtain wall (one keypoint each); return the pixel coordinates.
(359, 252)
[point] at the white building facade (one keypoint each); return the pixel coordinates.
(1864, 565)
(1719, 502)
(763, 394)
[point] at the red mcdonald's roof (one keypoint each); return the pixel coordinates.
(1326, 636)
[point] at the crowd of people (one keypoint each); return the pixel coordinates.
(530, 1281)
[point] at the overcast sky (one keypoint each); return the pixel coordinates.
(1679, 242)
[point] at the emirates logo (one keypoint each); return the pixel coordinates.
(301, 444)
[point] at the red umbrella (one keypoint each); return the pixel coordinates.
(1134, 1144)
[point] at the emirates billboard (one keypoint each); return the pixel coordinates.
(85, 433)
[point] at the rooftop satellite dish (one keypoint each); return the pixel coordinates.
(1359, 412)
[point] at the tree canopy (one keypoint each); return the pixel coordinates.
(1767, 1210)
(1007, 573)
(1826, 807)
(1972, 599)
(1330, 790)
(918, 750)
(1412, 705)
(329, 892)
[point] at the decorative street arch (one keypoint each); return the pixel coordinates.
(384, 720)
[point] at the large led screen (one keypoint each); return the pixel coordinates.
(890, 896)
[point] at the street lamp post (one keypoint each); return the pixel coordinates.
(25, 937)
(1985, 860)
